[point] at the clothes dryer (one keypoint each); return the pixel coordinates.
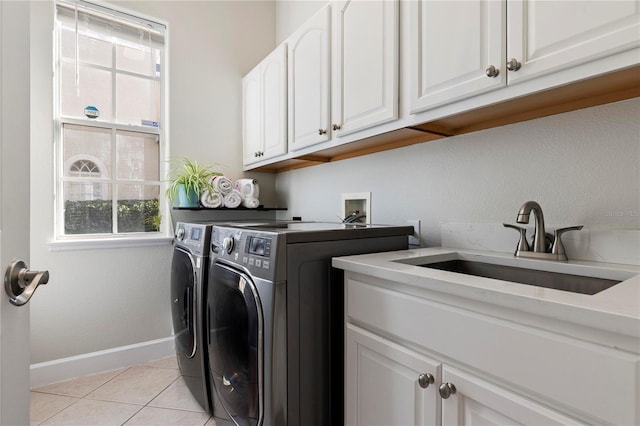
(275, 319)
(189, 267)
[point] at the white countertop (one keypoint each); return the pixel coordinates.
(616, 309)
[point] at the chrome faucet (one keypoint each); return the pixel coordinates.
(540, 235)
(554, 250)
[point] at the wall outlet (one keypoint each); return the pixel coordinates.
(414, 240)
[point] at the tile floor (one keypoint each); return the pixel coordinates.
(151, 394)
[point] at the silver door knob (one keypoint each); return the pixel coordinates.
(492, 71)
(424, 380)
(513, 64)
(322, 131)
(336, 127)
(446, 390)
(20, 282)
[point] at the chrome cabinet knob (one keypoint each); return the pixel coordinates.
(336, 127)
(446, 390)
(322, 131)
(426, 379)
(513, 64)
(492, 71)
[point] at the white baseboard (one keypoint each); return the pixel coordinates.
(63, 369)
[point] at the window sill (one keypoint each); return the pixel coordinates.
(108, 243)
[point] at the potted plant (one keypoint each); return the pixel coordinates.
(187, 181)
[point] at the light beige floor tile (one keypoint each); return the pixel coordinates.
(153, 416)
(177, 396)
(81, 386)
(211, 422)
(169, 362)
(43, 405)
(136, 385)
(87, 412)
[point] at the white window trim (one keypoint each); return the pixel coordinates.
(62, 242)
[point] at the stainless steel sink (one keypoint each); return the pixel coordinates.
(540, 278)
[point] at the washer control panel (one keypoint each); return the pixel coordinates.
(253, 250)
(194, 237)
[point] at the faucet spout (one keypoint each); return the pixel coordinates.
(539, 243)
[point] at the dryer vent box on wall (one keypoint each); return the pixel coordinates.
(356, 207)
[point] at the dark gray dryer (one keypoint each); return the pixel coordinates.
(189, 267)
(275, 319)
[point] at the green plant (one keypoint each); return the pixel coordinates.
(193, 176)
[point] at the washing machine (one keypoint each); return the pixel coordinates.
(189, 267)
(275, 319)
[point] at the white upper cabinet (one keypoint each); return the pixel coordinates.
(457, 50)
(309, 82)
(264, 112)
(251, 116)
(365, 64)
(461, 49)
(547, 36)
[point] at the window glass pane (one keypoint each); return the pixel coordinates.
(138, 156)
(86, 152)
(138, 208)
(136, 100)
(136, 57)
(87, 208)
(95, 90)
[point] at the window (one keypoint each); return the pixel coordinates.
(109, 116)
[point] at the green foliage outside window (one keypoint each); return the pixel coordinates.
(94, 216)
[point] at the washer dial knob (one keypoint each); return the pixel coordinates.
(227, 244)
(180, 234)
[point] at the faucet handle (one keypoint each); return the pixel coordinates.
(558, 247)
(522, 243)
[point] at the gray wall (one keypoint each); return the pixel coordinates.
(582, 167)
(106, 298)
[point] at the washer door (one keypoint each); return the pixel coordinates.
(235, 347)
(183, 282)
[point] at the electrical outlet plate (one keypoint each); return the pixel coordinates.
(359, 202)
(414, 240)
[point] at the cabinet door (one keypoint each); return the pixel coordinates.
(365, 67)
(382, 383)
(478, 402)
(457, 50)
(251, 116)
(547, 36)
(274, 103)
(309, 82)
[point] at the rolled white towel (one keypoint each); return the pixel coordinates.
(250, 202)
(222, 184)
(249, 188)
(233, 199)
(211, 199)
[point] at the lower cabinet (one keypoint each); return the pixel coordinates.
(413, 357)
(388, 384)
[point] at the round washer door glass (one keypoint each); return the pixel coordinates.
(235, 352)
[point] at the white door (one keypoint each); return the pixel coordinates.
(387, 384)
(309, 82)
(547, 36)
(365, 47)
(274, 106)
(457, 50)
(252, 117)
(14, 206)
